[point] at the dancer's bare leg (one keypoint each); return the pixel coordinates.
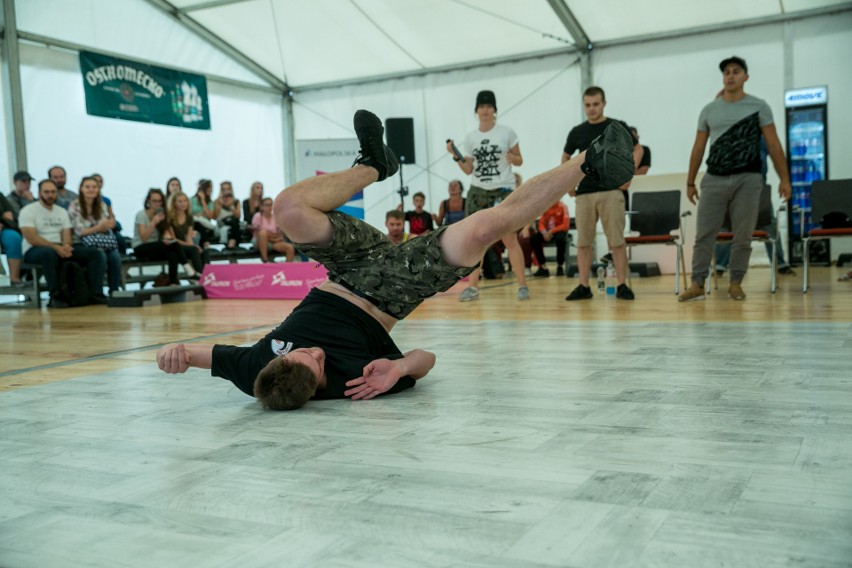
(300, 209)
(464, 243)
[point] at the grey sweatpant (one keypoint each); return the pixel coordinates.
(738, 194)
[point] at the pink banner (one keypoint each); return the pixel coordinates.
(288, 281)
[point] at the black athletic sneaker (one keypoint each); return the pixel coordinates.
(560, 271)
(541, 272)
(609, 158)
(374, 153)
(579, 293)
(623, 292)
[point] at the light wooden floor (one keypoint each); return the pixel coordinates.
(605, 433)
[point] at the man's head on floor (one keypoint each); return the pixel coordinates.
(289, 381)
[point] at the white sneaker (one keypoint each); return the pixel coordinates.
(523, 293)
(468, 294)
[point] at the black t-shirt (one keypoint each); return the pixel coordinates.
(419, 223)
(350, 337)
(580, 138)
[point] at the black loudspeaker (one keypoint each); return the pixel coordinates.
(400, 135)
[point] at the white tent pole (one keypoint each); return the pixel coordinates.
(289, 140)
(13, 111)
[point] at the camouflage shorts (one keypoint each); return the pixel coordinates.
(479, 199)
(396, 278)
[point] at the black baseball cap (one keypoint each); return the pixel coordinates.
(733, 59)
(23, 176)
(486, 98)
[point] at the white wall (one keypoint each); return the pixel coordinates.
(245, 142)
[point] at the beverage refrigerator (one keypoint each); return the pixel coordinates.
(807, 160)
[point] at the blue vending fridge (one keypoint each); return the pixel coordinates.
(807, 159)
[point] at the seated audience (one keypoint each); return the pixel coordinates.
(47, 241)
(64, 197)
(419, 220)
(267, 236)
(92, 227)
(226, 211)
(11, 235)
(21, 195)
(252, 204)
(173, 186)
(203, 213)
(451, 209)
(552, 227)
(10, 241)
(180, 221)
(153, 238)
(395, 224)
(122, 242)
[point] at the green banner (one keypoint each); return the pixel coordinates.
(120, 88)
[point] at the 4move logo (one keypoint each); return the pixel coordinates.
(809, 96)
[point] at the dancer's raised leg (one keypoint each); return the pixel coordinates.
(609, 158)
(300, 209)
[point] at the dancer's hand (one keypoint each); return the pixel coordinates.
(379, 376)
(173, 358)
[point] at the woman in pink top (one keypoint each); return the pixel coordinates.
(267, 236)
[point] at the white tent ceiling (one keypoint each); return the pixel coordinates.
(312, 42)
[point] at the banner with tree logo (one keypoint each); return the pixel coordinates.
(120, 88)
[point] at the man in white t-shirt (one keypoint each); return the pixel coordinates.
(47, 241)
(489, 152)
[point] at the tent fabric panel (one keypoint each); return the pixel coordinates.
(132, 28)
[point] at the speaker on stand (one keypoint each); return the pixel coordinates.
(400, 137)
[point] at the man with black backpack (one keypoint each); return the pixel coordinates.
(47, 241)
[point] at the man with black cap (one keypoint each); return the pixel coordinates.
(733, 123)
(21, 195)
(488, 154)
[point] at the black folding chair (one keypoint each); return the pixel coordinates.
(654, 215)
(831, 203)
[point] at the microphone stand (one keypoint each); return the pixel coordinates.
(403, 189)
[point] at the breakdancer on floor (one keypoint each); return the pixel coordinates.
(336, 342)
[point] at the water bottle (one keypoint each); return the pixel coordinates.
(610, 280)
(601, 283)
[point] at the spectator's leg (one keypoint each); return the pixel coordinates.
(561, 241)
(113, 258)
(11, 242)
(94, 261)
(744, 209)
(262, 243)
(537, 245)
(49, 261)
(464, 243)
(712, 206)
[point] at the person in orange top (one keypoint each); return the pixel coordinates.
(552, 227)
